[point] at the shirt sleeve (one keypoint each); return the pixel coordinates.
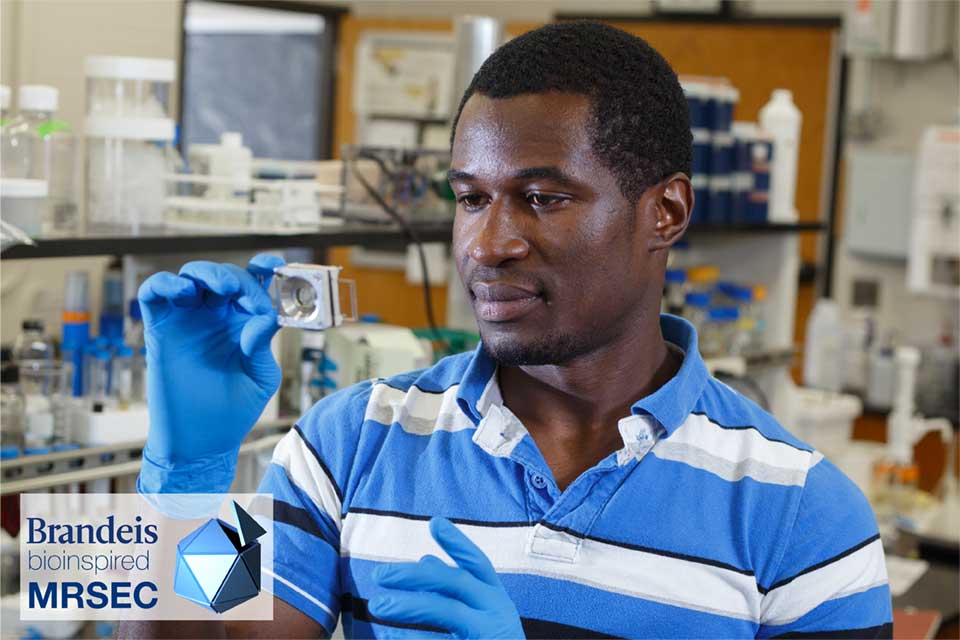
(306, 477)
(832, 578)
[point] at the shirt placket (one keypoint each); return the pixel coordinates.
(560, 533)
(564, 519)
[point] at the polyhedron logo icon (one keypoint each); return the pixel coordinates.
(218, 565)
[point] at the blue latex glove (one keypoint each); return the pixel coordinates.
(210, 372)
(468, 600)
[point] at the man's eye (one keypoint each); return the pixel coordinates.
(543, 200)
(471, 201)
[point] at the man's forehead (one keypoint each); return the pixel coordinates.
(521, 131)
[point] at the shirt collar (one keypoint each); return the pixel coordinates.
(669, 405)
(674, 401)
(476, 380)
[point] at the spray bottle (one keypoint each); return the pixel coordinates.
(904, 429)
(896, 496)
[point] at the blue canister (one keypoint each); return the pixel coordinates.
(702, 151)
(75, 338)
(723, 314)
(697, 94)
(701, 198)
(722, 156)
(720, 184)
(36, 451)
(736, 293)
(698, 299)
(758, 207)
(724, 99)
(9, 452)
(744, 136)
(721, 202)
(759, 200)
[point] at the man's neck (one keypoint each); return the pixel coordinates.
(572, 410)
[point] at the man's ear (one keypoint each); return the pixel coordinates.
(672, 206)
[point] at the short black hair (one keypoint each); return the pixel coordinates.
(640, 124)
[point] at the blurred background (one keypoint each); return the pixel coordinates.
(822, 267)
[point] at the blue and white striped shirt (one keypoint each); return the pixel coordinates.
(711, 521)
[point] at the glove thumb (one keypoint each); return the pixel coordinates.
(258, 360)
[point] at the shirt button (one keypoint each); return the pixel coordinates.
(538, 481)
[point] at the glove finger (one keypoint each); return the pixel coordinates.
(212, 277)
(230, 281)
(426, 609)
(466, 554)
(162, 289)
(258, 360)
(254, 305)
(254, 297)
(433, 575)
(261, 266)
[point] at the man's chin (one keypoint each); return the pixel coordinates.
(511, 350)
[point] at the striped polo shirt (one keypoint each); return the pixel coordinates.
(712, 520)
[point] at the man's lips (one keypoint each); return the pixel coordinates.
(502, 302)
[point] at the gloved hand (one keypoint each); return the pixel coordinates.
(210, 372)
(468, 601)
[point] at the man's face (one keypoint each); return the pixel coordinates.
(555, 260)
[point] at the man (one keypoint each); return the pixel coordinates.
(580, 474)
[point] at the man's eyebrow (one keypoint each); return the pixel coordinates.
(456, 174)
(543, 173)
(530, 173)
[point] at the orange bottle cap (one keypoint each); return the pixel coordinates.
(703, 275)
(909, 474)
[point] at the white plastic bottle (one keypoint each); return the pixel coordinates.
(823, 347)
(22, 146)
(882, 378)
(781, 119)
(237, 164)
(232, 164)
(858, 341)
(129, 132)
(227, 160)
(39, 147)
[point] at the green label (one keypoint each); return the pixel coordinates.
(44, 129)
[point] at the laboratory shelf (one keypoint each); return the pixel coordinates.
(422, 119)
(755, 227)
(349, 234)
(169, 242)
(86, 464)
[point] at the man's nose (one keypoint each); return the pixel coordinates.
(498, 237)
